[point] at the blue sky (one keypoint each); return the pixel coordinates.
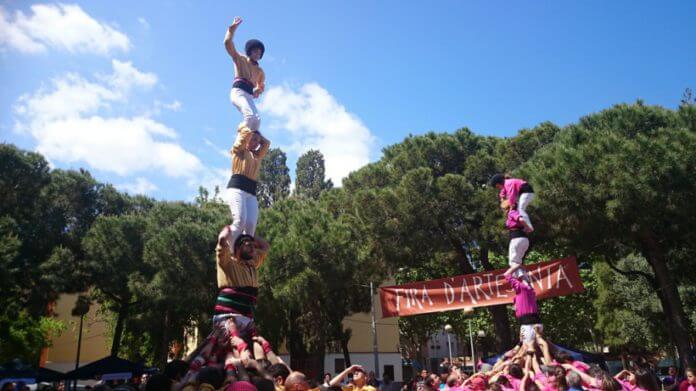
(137, 92)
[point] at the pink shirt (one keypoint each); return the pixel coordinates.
(511, 190)
(514, 382)
(579, 365)
(525, 297)
(626, 386)
(513, 220)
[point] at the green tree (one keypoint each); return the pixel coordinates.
(114, 247)
(180, 250)
(312, 277)
(424, 210)
(44, 216)
(274, 178)
(621, 181)
(310, 175)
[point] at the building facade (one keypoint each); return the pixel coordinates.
(96, 341)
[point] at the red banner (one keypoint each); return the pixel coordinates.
(553, 278)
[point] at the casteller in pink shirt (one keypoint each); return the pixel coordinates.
(511, 190)
(525, 297)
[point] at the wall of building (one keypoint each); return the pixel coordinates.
(334, 362)
(95, 342)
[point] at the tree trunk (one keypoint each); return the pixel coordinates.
(164, 344)
(346, 353)
(317, 371)
(122, 315)
(296, 348)
(677, 322)
(501, 322)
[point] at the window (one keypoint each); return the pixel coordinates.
(389, 371)
(339, 365)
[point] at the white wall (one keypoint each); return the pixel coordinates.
(364, 359)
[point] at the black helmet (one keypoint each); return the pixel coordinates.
(253, 44)
(497, 179)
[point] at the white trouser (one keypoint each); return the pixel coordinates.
(522, 203)
(244, 102)
(518, 247)
(244, 208)
(528, 332)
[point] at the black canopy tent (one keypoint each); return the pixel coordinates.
(106, 366)
(30, 375)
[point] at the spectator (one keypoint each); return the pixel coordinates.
(672, 380)
(359, 379)
(444, 374)
(639, 380)
(689, 384)
(444, 365)
(279, 373)
(296, 381)
(574, 381)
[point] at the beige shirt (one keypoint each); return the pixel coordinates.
(233, 272)
(244, 161)
(247, 69)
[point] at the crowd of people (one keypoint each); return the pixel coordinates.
(546, 368)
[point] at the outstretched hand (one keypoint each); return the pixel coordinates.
(236, 22)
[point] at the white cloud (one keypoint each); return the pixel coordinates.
(220, 151)
(59, 26)
(143, 22)
(140, 186)
(126, 76)
(72, 96)
(68, 124)
(316, 120)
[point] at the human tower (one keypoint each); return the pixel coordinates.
(240, 251)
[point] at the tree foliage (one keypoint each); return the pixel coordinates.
(310, 178)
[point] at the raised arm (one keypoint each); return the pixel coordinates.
(587, 379)
(535, 363)
(267, 349)
(545, 349)
(264, 145)
(337, 380)
(229, 36)
(527, 374)
(222, 250)
(242, 140)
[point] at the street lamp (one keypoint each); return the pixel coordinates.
(81, 309)
(469, 313)
(375, 349)
(448, 330)
(481, 334)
